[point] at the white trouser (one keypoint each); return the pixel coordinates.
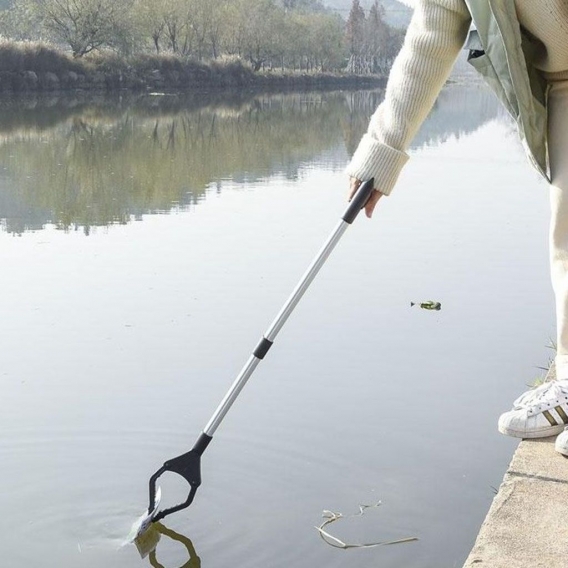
(558, 153)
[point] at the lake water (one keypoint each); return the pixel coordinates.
(146, 243)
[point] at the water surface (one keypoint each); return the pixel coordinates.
(147, 243)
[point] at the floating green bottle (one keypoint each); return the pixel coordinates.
(430, 305)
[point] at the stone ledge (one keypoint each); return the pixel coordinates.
(527, 524)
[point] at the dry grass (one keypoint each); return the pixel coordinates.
(109, 71)
(17, 56)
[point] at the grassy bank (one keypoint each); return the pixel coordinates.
(35, 67)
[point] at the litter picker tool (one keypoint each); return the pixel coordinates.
(188, 465)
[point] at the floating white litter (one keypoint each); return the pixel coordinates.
(331, 517)
(144, 522)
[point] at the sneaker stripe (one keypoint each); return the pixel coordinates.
(550, 418)
(562, 414)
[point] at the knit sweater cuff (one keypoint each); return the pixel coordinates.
(373, 159)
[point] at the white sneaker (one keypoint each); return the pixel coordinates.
(538, 413)
(561, 444)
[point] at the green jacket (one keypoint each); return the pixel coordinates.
(502, 53)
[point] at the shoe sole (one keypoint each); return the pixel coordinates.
(545, 433)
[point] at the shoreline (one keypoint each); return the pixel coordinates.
(525, 523)
(38, 68)
(30, 82)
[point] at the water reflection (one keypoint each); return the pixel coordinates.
(81, 164)
(156, 531)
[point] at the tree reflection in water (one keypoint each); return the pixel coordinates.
(82, 164)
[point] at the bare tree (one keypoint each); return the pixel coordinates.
(355, 29)
(257, 31)
(372, 43)
(149, 17)
(377, 39)
(84, 25)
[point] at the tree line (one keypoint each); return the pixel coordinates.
(269, 34)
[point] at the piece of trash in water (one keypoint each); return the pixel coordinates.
(331, 517)
(145, 520)
(147, 541)
(429, 305)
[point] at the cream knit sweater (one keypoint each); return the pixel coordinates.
(433, 41)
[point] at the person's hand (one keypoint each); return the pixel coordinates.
(373, 200)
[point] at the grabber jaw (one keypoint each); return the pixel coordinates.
(187, 465)
(142, 524)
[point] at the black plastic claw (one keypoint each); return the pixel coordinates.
(187, 465)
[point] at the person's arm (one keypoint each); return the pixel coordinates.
(433, 41)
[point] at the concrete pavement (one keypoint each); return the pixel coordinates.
(527, 524)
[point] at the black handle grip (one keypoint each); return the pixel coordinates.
(359, 201)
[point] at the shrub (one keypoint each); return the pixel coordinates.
(35, 56)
